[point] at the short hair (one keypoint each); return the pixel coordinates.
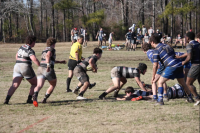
(51, 41)
(155, 37)
(129, 89)
(80, 36)
(97, 51)
(190, 35)
(198, 35)
(146, 46)
(30, 39)
(142, 67)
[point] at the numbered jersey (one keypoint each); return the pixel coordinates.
(52, 58)
(166, 55)
(24, 53)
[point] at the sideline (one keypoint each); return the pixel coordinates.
(30, 126)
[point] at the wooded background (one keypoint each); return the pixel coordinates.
(56, 18)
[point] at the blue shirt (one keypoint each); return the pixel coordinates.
(179, 54)
(128, 35)
(166, 55)
(150, 56)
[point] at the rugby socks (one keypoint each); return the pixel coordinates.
(7, 99)
(164, 95)
(103, 95)
(155, 97)
(29, 97)
(160, 94)
(77, 88)
(68, 82)
(81, 93)
(47, 96)
(35, 95)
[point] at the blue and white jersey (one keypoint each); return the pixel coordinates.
(128, 35)
(150, 56)
(166, 55)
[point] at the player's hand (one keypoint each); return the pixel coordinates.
(94, 70)
(176, 56)
(48, 69)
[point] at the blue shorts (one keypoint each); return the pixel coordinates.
(100, 38)
(173, 72)
(187, 65)
(160, 70)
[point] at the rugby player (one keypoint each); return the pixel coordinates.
(193, 55)
(119, 75)
(173, 67)
(80, 72)
(147, 50)
(110, 39)
(23, 68)
(46, 70)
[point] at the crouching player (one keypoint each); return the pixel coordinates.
(46, 70)
(119, 75)
(173, 67)
(146, 48)
(133, 95)
(81, 69)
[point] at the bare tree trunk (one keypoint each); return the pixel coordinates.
(4, 40)
(196, 17)
(31, 16)
(166, 21)
(181, 21)
(143, 12)
(153, 20)
(1, 30)
(47, 35)
(41, 16)
(10, 26)
(64, 26)
(53, 19)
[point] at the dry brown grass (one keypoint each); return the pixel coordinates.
(64, 114)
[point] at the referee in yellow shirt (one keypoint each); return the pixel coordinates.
(74, 58)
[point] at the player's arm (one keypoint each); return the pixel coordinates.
(92, 64)
(48, 55)
(181, 56)
(137, 79)
(155, 68)
(189, 54)
(35, 60)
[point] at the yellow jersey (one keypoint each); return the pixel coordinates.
(76, 48)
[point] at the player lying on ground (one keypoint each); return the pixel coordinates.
(119, 75)
(46, 70)
(133, 95)
(23, 68)
(80, 71)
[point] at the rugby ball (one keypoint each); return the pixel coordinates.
(89, 68)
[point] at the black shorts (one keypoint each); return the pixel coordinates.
(72, 64)
(194, 72)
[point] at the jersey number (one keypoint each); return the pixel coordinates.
(21, 53)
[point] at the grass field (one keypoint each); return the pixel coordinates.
(64, 114)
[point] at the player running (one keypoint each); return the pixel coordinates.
(46, 70)
(80, 72)
(23, 68)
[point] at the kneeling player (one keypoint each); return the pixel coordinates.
(119, 75)
(81, 69)
(46, 70)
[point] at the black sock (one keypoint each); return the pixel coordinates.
(68, 82)
(104, 94)
(77, 88)
(8, 98)
(81, 94)
(47, 96)
(29, 97)
(35, 95)
(197, 97)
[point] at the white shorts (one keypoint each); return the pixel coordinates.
(23, 70)
(110, 41)
(42, 73)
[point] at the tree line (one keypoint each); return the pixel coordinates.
(56, 18)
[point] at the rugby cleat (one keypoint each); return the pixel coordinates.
(81, 98)
(101, 97)
(6, 102)
(159, 103)
(165, 99)
(68, 90)
(75, 92)
(190, 100)
(35, 103)
(44, 100)
(116, 93)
